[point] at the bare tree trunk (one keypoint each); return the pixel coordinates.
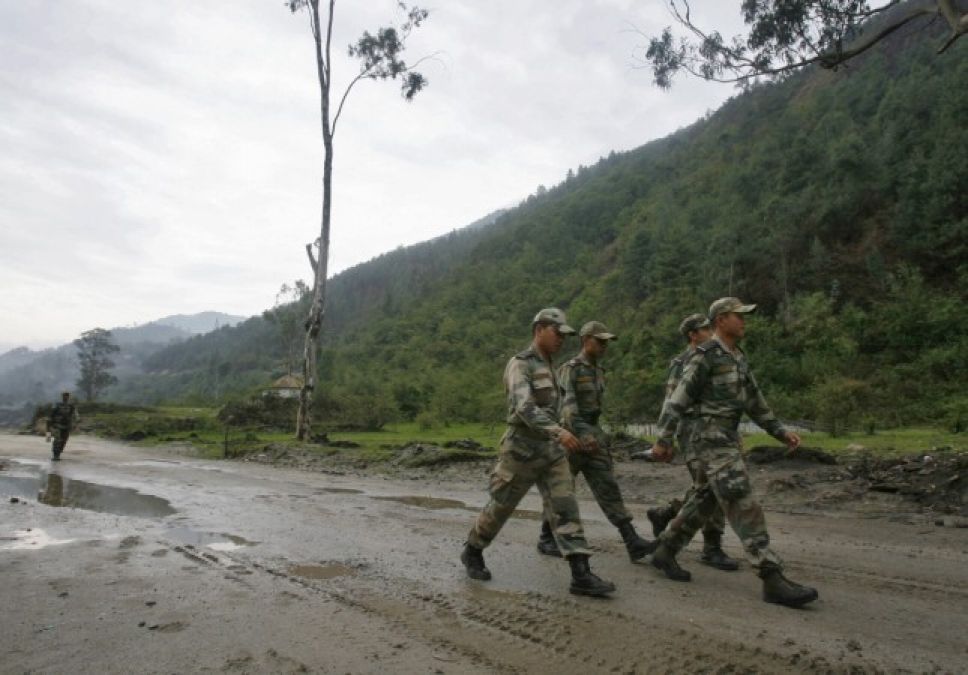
(317, 308)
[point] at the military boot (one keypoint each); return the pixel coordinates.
(665, 560)
(660, 517)
(780, 590)
(714, 555)
(473, 559)
(637, 547)
(584, 581)
(546, 542)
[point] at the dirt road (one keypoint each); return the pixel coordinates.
(171, 564)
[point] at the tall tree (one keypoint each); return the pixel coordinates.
(94, 349)
(785, 35)
(380, 58)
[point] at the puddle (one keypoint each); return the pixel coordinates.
(340, 491)
(212, 540)
(321, 571)
(32, 539)
(55, 490)
(438, 503)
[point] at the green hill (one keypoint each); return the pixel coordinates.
(836, 201)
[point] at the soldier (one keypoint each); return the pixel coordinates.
(717, 383)
(582, 383)
(697, 330)
(60, 422)
(531, 453)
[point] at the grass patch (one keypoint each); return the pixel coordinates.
(887, 443)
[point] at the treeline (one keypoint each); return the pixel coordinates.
(835, 201)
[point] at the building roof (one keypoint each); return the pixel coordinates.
(287, 382)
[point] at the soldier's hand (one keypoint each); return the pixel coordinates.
(661, 452)
(590, 443)
(569, 441)
(792, 440)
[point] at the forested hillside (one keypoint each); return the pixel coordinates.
(836, 201)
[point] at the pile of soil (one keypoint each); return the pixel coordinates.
(427, 454)
(938, 481)
(768, 454)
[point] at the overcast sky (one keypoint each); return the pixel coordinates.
(164, 157)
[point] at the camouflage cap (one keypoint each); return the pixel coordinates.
(555, 316)
(597, 330)
(693, 322)
(729, 306)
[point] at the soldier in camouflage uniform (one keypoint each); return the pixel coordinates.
(533, 453)
(697, 330)
(582, 383)
(60, 422)
(717, 383)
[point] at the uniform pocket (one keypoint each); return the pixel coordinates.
(500, 485)
(732, 483)
(544, 392)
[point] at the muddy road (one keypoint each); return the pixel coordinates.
(122, 560)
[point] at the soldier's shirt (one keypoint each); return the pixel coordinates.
(63, 415)
(582, 392)
(718, 386)
(532, 395)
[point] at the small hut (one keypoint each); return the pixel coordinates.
(287, 386)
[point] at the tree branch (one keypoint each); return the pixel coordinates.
(312, 260)
(339, 109)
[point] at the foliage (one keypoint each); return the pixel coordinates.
(94, 349)
(287, 316)
(786, 36)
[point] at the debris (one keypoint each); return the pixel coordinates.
(14, 500)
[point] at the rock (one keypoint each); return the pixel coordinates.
(427, 454)
(14, 500)
(856, 447)
(136, 435)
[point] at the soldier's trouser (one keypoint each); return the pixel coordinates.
(597, 468)
(511, 480)
(59, 440)
(721, 480)
(715, 525)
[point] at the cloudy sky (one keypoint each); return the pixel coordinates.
(165, 157)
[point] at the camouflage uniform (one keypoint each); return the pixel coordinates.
(60, 422)
(714, 527)
(719, 387)
(582, 388)
(530, 455)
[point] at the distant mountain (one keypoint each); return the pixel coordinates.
(28, 376)
(198, 324)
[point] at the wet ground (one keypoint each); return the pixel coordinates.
(120, 559)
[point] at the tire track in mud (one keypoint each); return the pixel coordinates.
(512, 632)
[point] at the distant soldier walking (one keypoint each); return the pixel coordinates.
(719, 385)
(531, 454)
(697, 330)
(582, 383)
(63, 416)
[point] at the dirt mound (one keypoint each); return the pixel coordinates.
(938, 481)
(427, 454)
(768, 454)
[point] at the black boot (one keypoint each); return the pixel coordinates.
(660, 517)
(473, 559)
(637, 547)
(583, 581)
(665, 560)
(714, 555)
(546, 542)
(780, 590)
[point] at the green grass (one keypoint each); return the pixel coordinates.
(886, 442)
(199, 427)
